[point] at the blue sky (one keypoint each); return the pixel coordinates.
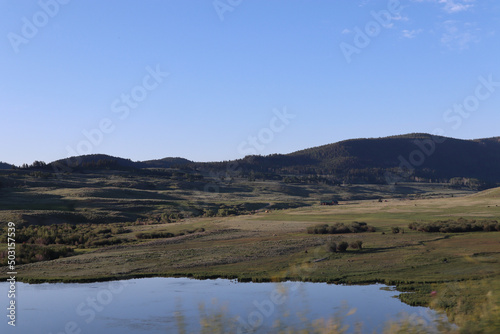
(225, 69)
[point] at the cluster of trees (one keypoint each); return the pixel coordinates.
(211, 210)
(471, 183)
(171, 217)
(456, 226)
(164, 234)
(338, 228)
(27, 253)
(342, 246)
(179, 212)
(40, 243)
(311, 179)
(223, 210)
(40, 175)
(36, 164)
(371, 160)
(82, 235)
(396, 230)
(100, 164)
(351, 161)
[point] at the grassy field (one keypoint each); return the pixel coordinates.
(271, 245)
(274, 245)
(152, 195)
(263, 242)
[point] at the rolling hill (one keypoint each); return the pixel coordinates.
(413, 157)
(4, 165)
(108, 161)
(430, 156)
(489, 193)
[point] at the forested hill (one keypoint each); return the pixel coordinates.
(4, 165)
(430, 156)
(96, 161)
(413, 156)
(416, 157)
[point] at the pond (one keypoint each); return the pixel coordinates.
(158, 305)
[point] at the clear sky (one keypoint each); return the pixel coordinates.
(205, 79)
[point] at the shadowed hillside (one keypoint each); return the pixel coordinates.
(430, 156)
(414, 157)
(490, 193)
(4, 165)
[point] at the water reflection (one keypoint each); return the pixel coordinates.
(176, 305)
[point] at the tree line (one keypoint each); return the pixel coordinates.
(340, 228)
(456, 226)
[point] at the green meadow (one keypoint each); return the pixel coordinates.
(103, 227)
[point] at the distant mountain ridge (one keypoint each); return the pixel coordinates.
(429, 156)
(166, 162)
(412, 156)
(108, 161)
(4, 165)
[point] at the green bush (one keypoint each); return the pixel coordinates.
(164, 234)
(456, 226)
(342, 247)
(106, 242)
(331, 246)
(154, 235)
(27, 253)
(358, 244)
(339, 228)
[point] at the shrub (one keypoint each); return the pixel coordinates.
(395, 230)
(27, 253)
(120, 230)
(222, 213)
(106, 242)
(154, 235)
(342, 247)
(104, 231)
(210, 213)
(322, 229)
(358, 244)
(458, 226)
(339, 228)
(164, 234)
(331, 246)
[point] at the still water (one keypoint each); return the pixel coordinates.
(156, 305)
